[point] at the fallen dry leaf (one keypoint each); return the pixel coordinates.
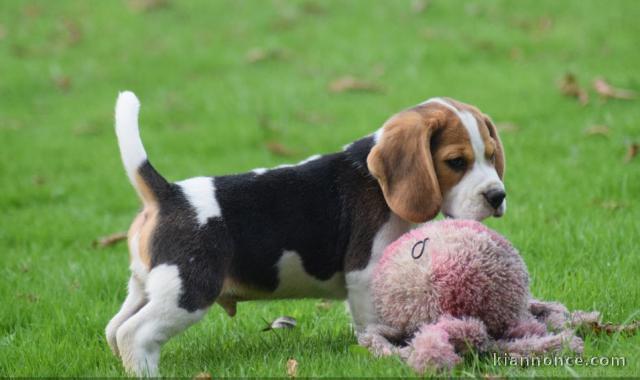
(610, 329)
(516, 54)
(30, 297)
(544, 23)
(612, 205)
(265, 124)
(313, 8)
(32, 10)
(147, 5)
(632, 151)
(292, 368)
(19, 50)
(279, 149)
(604, 89)
(349, 83)
(539, 25)
(507, 127)
(287, 19)
(256, 55)
(74, 32)
(484, 45)
(283, 322)
(595, 130)
(311, 117)
(428, 33)
(88, 129)
(110, 240)
(202, 376)
(63, 82)
(38, 180)
(569, 86)
(419, 6)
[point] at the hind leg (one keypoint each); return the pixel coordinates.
(135, 300)
(141, 336)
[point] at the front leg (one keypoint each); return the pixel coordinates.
(367, 253)
(377, 338)
(360, 300)
(369, 331)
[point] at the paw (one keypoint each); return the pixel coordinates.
(111, 332)
(377, 344)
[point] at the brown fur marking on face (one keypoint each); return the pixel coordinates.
(489, 134)
(451, 141)
(500, 163)
(401, 162)
(409, 161)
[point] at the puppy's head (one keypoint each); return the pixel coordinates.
(441, 155)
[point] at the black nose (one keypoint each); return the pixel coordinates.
(495, 197)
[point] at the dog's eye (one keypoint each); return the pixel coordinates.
(458, 164)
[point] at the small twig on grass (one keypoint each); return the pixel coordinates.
(279, 149)
(601, 130)
(109, 240)
(352, 84)
(610, 329)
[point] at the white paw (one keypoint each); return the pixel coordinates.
(111, 332)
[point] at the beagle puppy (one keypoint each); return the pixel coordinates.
(313, 229)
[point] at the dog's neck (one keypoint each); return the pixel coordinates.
(357, 153)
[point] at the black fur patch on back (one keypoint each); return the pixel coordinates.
(326, 210)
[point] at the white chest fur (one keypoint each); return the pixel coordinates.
(358, 282)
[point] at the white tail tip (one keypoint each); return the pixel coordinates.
(131, 149)
(127, 105)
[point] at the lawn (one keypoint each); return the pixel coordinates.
(229, 86)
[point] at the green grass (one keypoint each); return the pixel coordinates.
(574, 205)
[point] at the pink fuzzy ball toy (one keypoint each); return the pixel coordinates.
(454, 285)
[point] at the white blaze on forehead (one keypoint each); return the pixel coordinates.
(443, 103)
(200, 192)
(470, 125)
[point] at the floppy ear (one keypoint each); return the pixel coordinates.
(500, 160)
(401, 161)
